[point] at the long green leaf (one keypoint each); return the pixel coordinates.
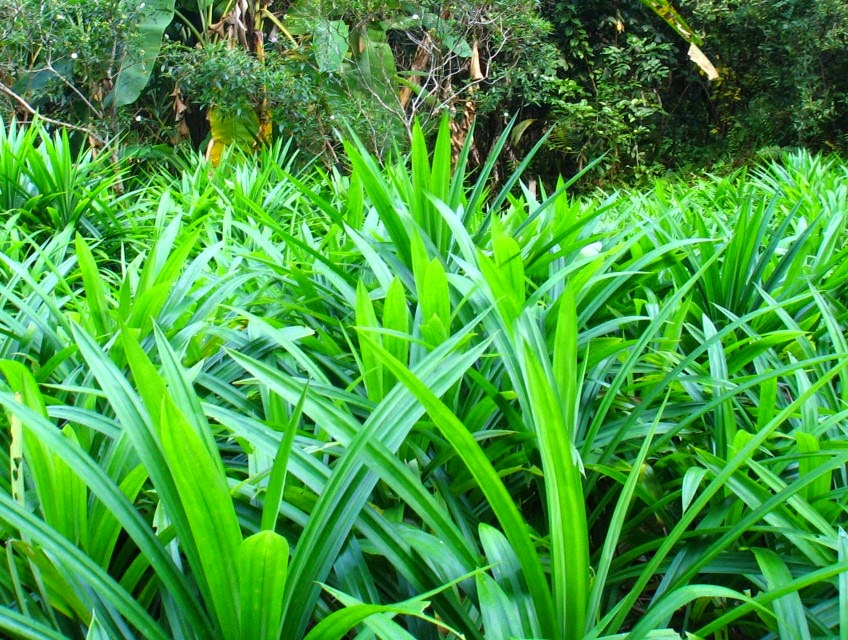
(77, 563)
(22, 626)
(139, 427)
(350, 485)
(564, 492)
(209, 510)
(490, 483)
(262, 566)
(791, 618)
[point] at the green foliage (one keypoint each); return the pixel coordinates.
(609, 95)
(414, 408)
(51, 186)
(141, 54)
(783, 67)
(605, 78)
(620, 116)
(81, 61)
(216, 75)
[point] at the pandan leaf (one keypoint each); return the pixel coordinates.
(263, 564)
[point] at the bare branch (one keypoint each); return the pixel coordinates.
(32, 111)
(73, 88)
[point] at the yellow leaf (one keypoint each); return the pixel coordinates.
(475, 70)
(242, 130)
(697, 56)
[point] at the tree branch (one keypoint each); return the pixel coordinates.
(32, 111)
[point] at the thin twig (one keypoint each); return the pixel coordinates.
(32, 111)
(73, 88)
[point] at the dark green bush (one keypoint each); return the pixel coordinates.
(604, 77)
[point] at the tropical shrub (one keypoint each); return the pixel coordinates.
(374, 68)
(618, 120)
(50, 185)
(80, 62)
(302, 403)
(783, 69)
(240, 72)
(780, 85)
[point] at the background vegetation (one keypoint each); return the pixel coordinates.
(603, 77)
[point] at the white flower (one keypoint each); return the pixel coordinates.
(74, 56)
(415, 16)
(138, 118)
(591, 250)
(60, 17)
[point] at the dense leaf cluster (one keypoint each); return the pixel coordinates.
(598, 77)
(268, 401)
